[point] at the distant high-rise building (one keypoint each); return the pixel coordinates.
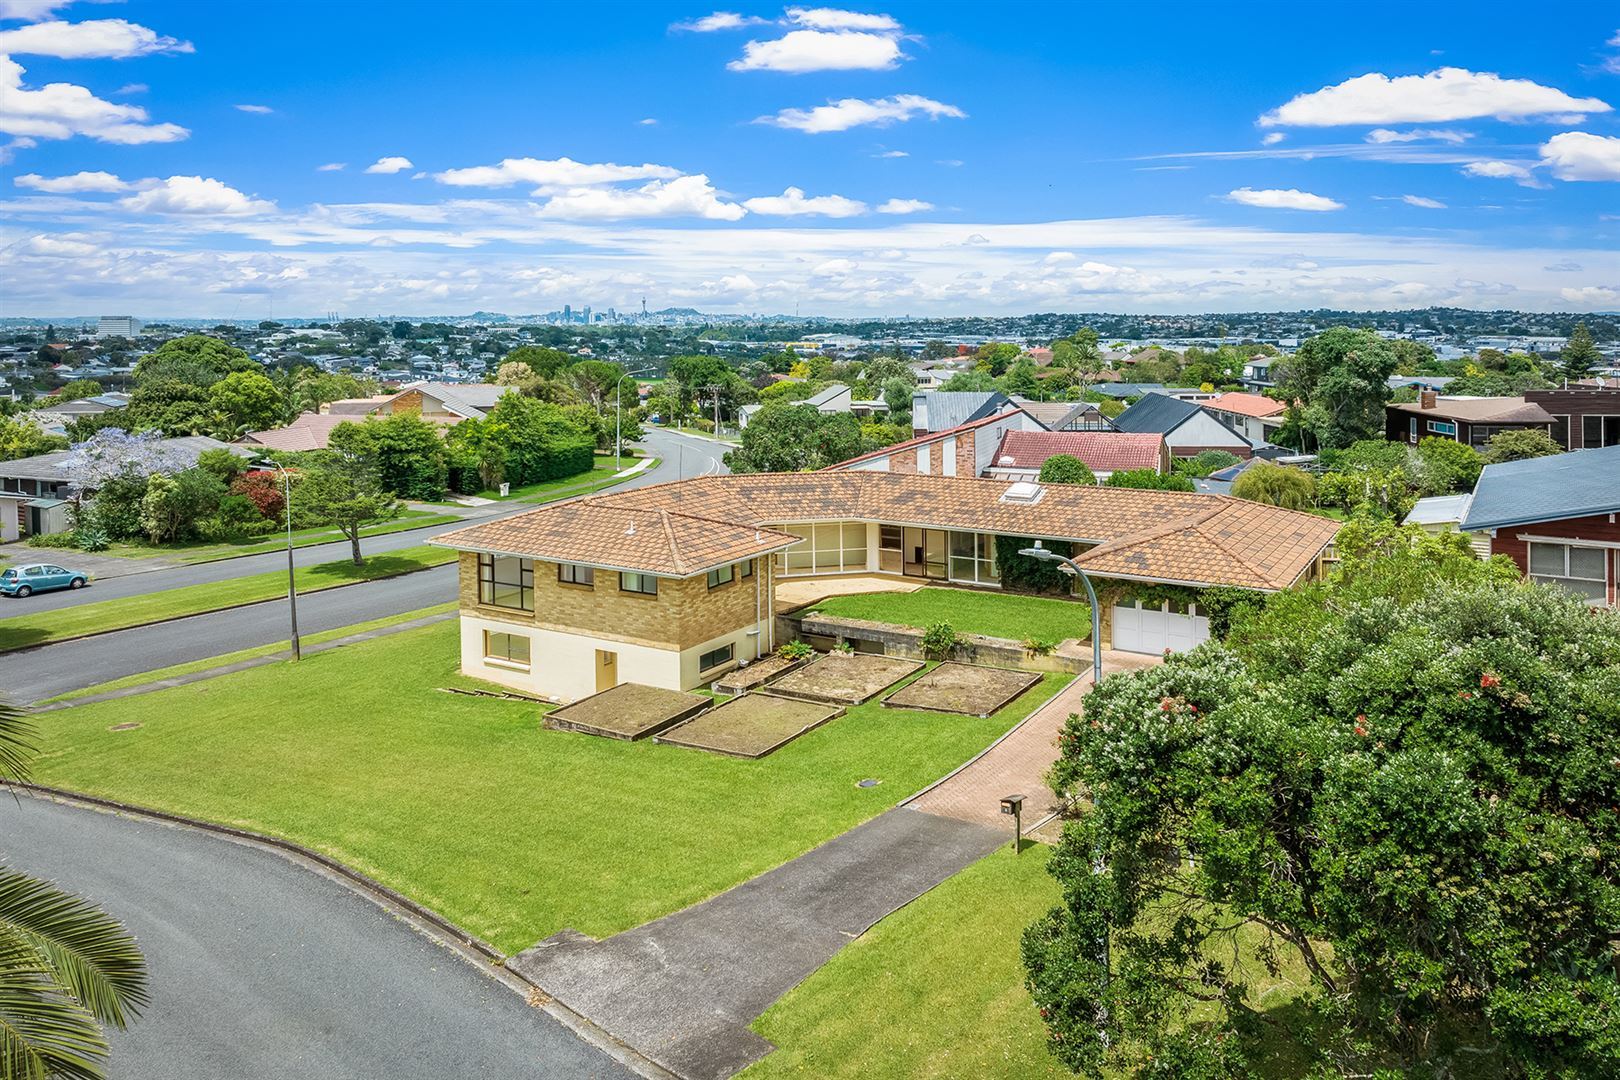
(568, 313)
(111, 326)
(586, 317)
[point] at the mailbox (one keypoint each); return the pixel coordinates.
(1012, 804)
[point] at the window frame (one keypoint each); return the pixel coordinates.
(1568, 566)
(730, 651)
(641, 580)
(747, 570)
(493, 659)
(722, 575)
(1602, 423)
(569, 574)
(487, 582)
(1443, 427)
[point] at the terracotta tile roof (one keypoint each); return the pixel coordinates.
(1109, 451)
(650, 540)
(1256, 405)
(310, 431)
(1159, 535)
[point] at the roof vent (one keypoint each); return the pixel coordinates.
(1008, 459)
(631, 531)
(1024, 493)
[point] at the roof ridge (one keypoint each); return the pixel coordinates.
(1231, 554)
(1153, 532)
(674, 545)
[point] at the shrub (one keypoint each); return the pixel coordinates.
(940, 641)
(1021, 573)
(1040, 646)
(1149, 480)
(69, 539)
(796, 649)
(1066, 469)
(1206, 462)
(263, 489)
(1276, 485)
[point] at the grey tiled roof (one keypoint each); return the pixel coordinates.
(1546, 489)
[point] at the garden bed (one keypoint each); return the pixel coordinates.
(628, 711)
(752, 725)
(845, 678)
(963, 688)
(756, 674)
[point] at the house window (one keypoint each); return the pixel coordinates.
(721, 576)
(1599, 431)
(574, 574)
(1581, 570)
(645, 584)
(826, 549)
(506, 650)
(714, 658)
(506, 582)
(1443, 427)
(746, 569)
(973, 558)
(1560, 431)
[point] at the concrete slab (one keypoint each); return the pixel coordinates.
(628, 711)
(684, 989)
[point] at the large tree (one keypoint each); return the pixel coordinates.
(246, 401)
(1340, 378)
(406, 451)
(1580, 354)
(795, 438)
(1397, 789)
(343, 491)
(1517, 445)
(196, 359)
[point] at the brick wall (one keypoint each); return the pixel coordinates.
(966, 459)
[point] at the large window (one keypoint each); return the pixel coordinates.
(714, 658)
(1599, 431)
(506, 582)
(506, 650)
(973, 558)
(1443, 427)
(1581, 570)
(721, 576)
(574, 574)
(826, 549)
(645, 584)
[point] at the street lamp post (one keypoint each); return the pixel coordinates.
(1070, 567)
(618, 417)
(292, 587)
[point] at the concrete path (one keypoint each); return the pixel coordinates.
(261, 970)
(683, 990)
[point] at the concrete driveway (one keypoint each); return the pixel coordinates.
(262, 970)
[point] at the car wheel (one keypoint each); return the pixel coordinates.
(76, 583)
(24, 590)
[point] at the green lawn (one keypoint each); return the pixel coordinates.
(469, 806)
(200, 552)
(994, 614)
(934, 991)
(21, 631)
(159, 674)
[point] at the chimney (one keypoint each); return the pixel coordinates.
(1428, 399)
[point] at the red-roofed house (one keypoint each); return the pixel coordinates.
(1254, 416)
(1022, 453)
(964, 450)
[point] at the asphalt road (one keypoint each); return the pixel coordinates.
(262, 969)
(680, 457)
(74, 665)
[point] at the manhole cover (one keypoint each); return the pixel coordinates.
(124, 727)
(868, 783)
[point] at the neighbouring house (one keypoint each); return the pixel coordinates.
(1254, 416)
(1022, 453)
(356, 407)
(1470, 420)
(1437, 383)
(1188, 428)
(836, 398)
(1066, 415)
(675, 584)
(1586, 416)
(965, 450)
(1555, 517)
(1257, 374)
(449, 402)
(36, 493)
(941, 410)
(308, 431)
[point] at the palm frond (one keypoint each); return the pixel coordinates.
(16, 742)
(44, 1032)
(90, 954)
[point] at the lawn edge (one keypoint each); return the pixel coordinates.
(421, 918)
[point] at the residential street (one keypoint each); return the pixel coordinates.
(261, 969)
(73, 665)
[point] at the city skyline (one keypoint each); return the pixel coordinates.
(177, 160)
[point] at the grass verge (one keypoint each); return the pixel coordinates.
(994, 614)
(935, 990)
(468, 805)
(23, 631)
(189, 554)
(223, 659)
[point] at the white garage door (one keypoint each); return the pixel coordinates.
(1154, 629)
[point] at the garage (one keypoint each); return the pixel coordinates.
(1157, 629)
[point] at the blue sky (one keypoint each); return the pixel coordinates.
(247, 161)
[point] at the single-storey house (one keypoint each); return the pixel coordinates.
(1254, 416)
(965, 450)
(1470, 420)
(836, 398)
(1022, 453)
(1188, 428)
(673, 585)
(449, 402)
(308, 431)
(1557, 518)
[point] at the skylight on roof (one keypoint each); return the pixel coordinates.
(1024, 493)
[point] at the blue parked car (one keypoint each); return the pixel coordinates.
(40, 577)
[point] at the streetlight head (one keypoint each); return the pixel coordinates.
(1041, 553)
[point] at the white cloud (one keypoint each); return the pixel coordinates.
(1499, 170)
(332, 166)
(1426, 203)
(951, 163)
(720, 20)
(1578, 155)
(551, 176)
(855, 112)
(261, 110)
(684, 196)
(801, 51)
(1592, 296)
(892, 154)
(131, 88)
(1384, 136)
(1283, 199)
(794, 203)
(390, 165)
(1446, 94)
(30, 10)
(96, 39)
(1272, 138)
(647, 121)
(194, 195)
(63, 110)
(73, 184)
(835, 19)
(904, 206)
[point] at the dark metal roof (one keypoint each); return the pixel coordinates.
(1572, 485)
(1156, 413)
